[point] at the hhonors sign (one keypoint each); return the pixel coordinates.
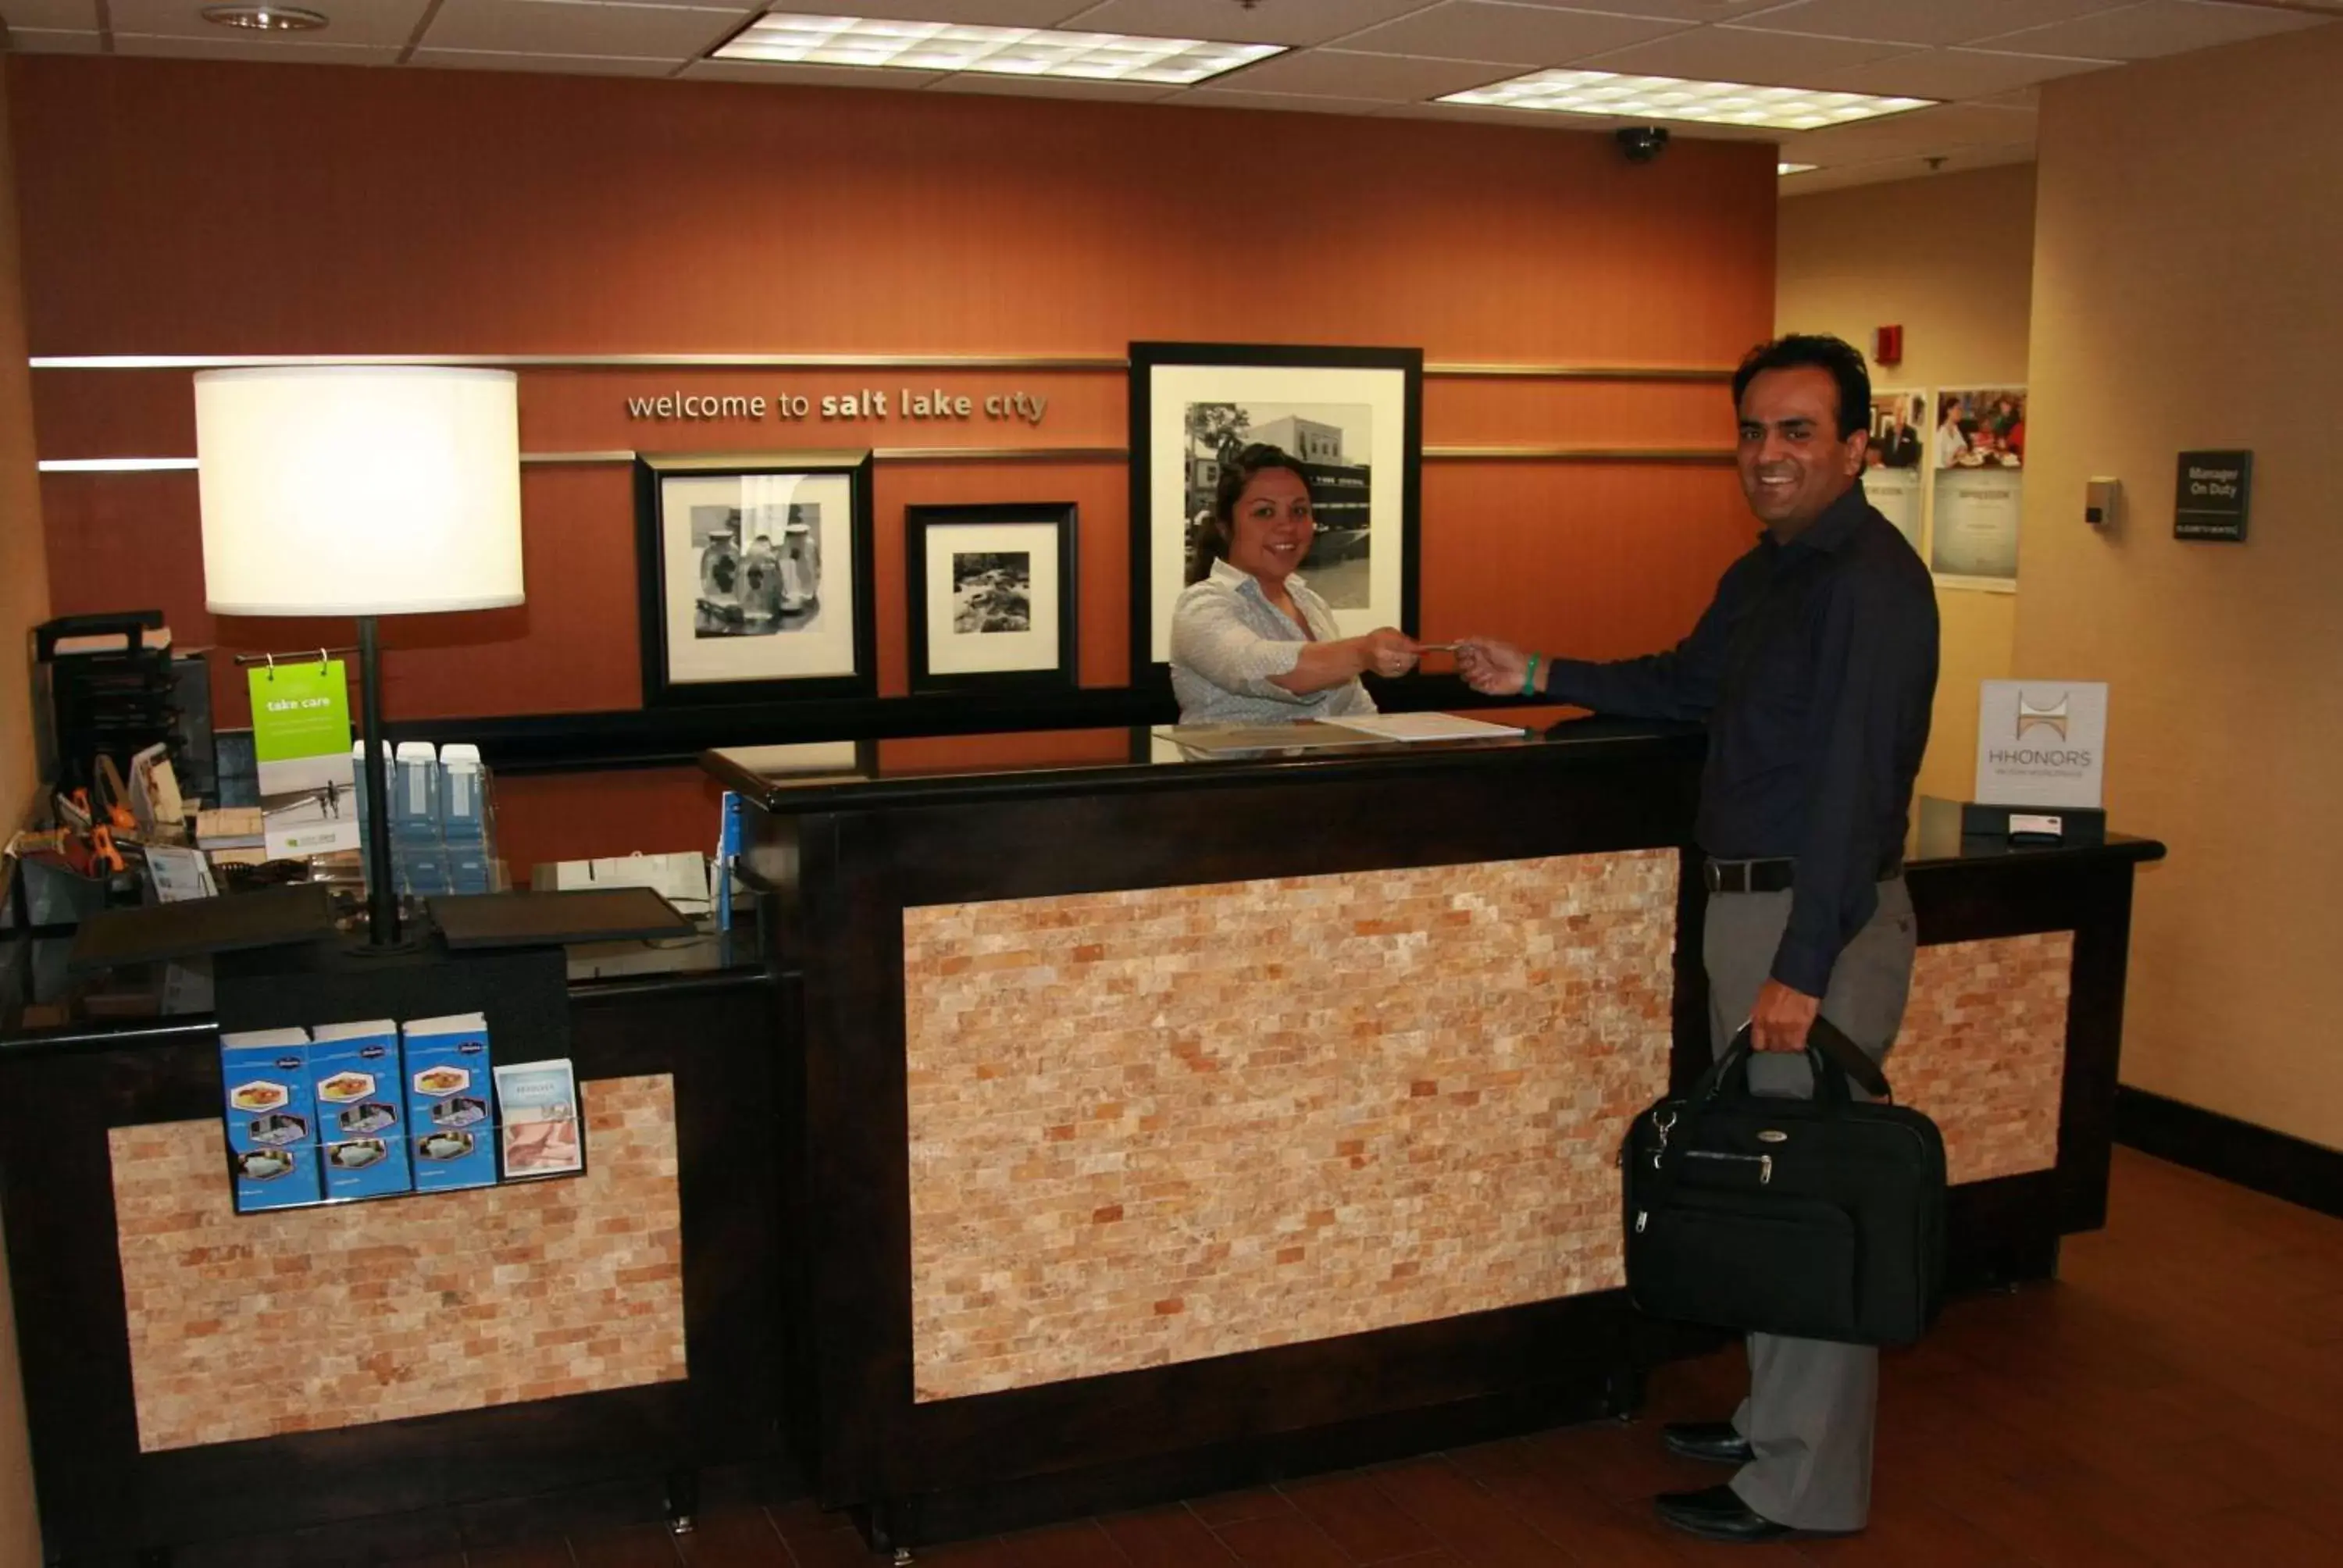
(2041, 742)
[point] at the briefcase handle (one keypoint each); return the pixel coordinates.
(1834, 1058)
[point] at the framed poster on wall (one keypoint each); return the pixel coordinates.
(992, 595)
(1353, 417)
(754, 576)
(1894, 458)
(1978, 488)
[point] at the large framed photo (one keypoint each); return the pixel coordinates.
(754, 576)
(992, 596)
(1353, 417)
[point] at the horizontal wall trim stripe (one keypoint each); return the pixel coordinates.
(1579, 454)
(112, 465)
(811, 362)
(1655, 455)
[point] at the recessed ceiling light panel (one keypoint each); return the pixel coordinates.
(778, 38)
(1617, 96)
(266, 19)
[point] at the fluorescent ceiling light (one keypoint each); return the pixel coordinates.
(1794, 169)
(1610, 94)
(787, 39)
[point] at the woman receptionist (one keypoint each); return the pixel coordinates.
(1251, 644)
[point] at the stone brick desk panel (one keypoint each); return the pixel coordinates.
(1982, 1050)
(260, 1325)
(1154, 1126)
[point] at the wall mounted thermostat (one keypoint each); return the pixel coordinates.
(2099, 500)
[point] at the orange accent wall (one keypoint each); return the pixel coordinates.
(198, 208)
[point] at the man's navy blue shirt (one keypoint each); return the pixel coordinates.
(1815, 668)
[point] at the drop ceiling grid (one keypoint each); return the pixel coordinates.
(1384, 58)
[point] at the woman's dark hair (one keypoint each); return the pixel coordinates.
(1842, 359)
(1212, 541)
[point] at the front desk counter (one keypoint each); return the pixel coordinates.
(1174, 1122)
(396, 1377)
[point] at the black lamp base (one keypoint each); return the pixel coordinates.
(382, 894)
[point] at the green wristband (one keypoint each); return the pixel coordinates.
(1529, 678)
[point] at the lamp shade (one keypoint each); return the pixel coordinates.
(347, 489)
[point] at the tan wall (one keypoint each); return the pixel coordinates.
(1950, 259)
(24, 602)
(2184, 288)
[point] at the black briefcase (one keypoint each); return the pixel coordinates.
(1820, 1219)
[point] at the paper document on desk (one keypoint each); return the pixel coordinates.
(1309, 734)
(1427, 727)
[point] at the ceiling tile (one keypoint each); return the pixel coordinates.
(1293, 22)
(1953, 74)
(978, 13)
(1231, 98)
(1002, 85)
(54, 41)
(1923, 21)
(583, 27)
(1516, 35)
(1480, 114)
(281, 51)
(1664, 10)
(61, 15)
(558, 64)
(1883, 170)
(1737, 55)
(387, 22)
(1339, 73)
(806, 75)
(1920, 131)
(2159, 28)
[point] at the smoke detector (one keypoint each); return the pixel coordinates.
(259, 18)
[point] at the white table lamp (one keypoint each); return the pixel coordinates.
(360, 490)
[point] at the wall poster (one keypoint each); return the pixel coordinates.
(1979, 452)
(1892, 464)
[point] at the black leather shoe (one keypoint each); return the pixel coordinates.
(1710, 1441)
(1717, 1513)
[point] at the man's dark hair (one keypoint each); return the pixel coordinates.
(1842, 359)
(1220, 531)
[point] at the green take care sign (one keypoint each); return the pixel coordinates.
(301, 739)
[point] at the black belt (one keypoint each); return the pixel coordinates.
(1773, 875)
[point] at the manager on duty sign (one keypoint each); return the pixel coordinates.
(2041, 742)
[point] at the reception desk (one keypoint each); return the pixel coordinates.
(1171, 1121)
(398, 1378)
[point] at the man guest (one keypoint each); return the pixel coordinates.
(1813, 668)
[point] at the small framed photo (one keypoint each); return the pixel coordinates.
(754, 576)
(992, 595)
(1353, 418)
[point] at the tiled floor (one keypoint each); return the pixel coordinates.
(2177, 1400)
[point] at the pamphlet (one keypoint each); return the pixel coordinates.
(301, 738)
(178, 874)
(539, 1103)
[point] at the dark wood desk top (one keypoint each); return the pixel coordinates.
(969, 768)
(974, 768)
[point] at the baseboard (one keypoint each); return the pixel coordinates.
(2254, 1157)
(927, 1518)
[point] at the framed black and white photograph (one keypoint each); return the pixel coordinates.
(755, 576)
(992, 595)
(1352, 418)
